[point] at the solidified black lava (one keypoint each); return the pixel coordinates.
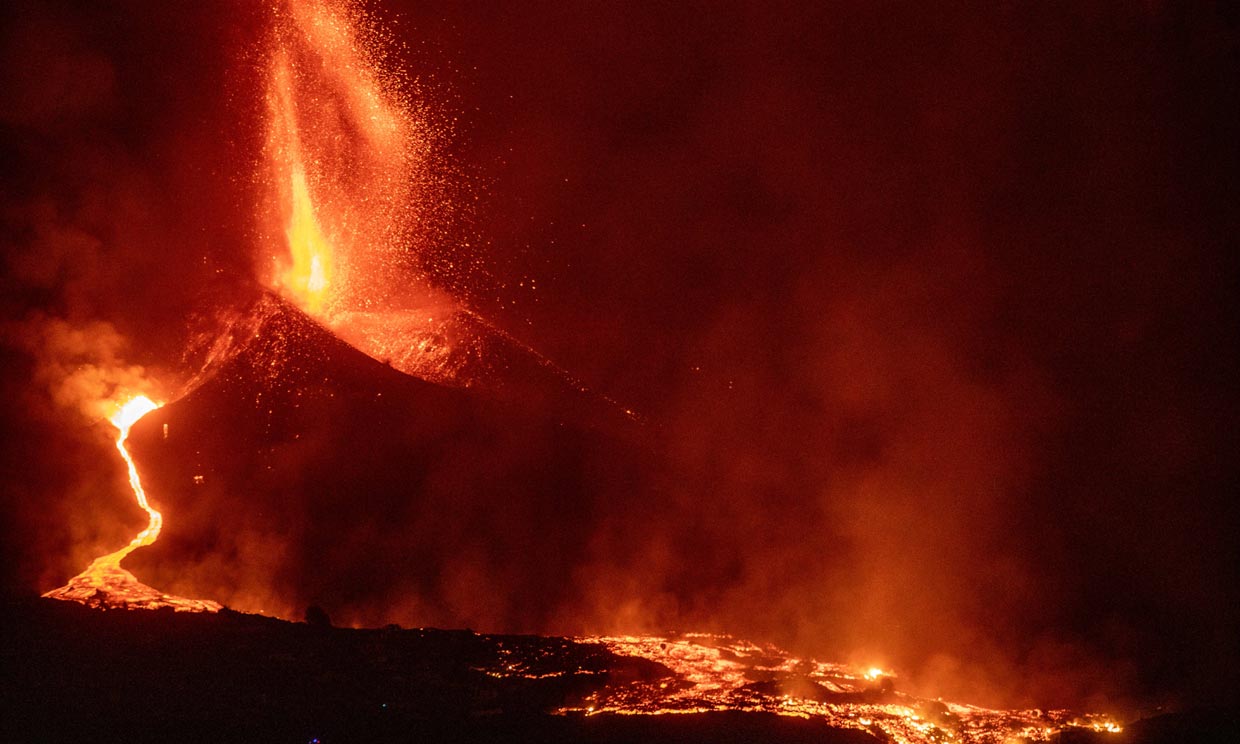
(72, 673)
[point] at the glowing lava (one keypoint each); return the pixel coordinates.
(104, 583)
(348, 174)
(712, 672)
(343, 150)
(307, 275)
(352, 184)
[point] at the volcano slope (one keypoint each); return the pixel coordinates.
(304, 472)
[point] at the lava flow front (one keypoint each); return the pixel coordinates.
(104, 583)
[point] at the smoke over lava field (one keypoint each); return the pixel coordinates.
(899, 336)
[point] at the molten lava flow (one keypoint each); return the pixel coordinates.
(710, 672)
(104, 583)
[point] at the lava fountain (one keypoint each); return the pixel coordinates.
(354, 194)
(344, 152)
(104, 583)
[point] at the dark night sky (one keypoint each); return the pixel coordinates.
(930, 313)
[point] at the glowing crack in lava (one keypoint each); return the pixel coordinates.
(104, 583)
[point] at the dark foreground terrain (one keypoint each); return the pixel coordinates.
(71, 673)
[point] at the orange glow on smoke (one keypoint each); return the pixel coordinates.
(104, 583)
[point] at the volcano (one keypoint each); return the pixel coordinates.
(305, 477)
(305, 472)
